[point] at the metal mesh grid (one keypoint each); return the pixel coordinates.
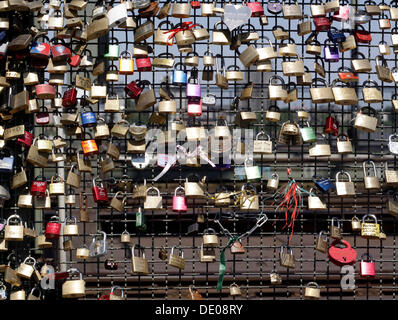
(251, 270)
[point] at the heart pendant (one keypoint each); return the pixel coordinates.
(236, 15)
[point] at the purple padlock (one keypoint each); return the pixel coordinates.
(331, 53)
(194, 92)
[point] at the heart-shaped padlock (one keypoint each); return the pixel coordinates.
(341, 253)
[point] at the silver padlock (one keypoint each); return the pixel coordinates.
(273, 182)
(117, 15)
(393, 145)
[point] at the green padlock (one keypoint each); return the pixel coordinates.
(140, 220)
(113, 49)
(252, 172)
(308, 133)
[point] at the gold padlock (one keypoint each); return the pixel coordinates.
(355, 224)
(391, 176)
(161, 36)
(139, 264)
(42, 242)
(273, 182)
(320, 149)
(118, 204)
(25, 201)
(25, 270)
(125, 237)
(371, 92)
(286, 259)
(383, 72)
(262, 146)
(14, 232)
(277, 91)
(207, 254)
(273, 113)
(275, 278)
(221, 37)
(360, 65)
(344, 95)
(288, 49)
(312, 291)
(82, 253)
(322, 243)
(74, 288)
(315, 202)
(234, 290)
(292, 11)
(177, 261)
(180, 10)
(210, 237)
(70, 227)
(153, 202)
(147, 98)
(365, 122)
(335, 230)
(370, 230)
(249, 56)
(57, 188)
(249, 199)
(293, 68)
(344, 146)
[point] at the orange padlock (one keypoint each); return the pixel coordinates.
(126, 63)
(89, 146)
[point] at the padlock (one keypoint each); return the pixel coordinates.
(335, 230)
(147, 98)
(221, 37)
(19, 294)
(277, 91)
(344, 188)
(153, 202)
(371, 92)
(313, 47)
(74, 288)
(312, 291)
(193, 91)
(73, 179)
(89, 146)
(117, 15)
(88, 117)
(59, 51)
(274, 7)
(126, 63)
(355, 224)
(315, 202)
(344, 145)
(114, 296)
(367, 267)
(179, 201)
(393, 145)
(100, 194)
(207, 254)
(53, 228)
(111, 264)
(344, 94)
(291, 11)
(331, 126)
(40, 49)
(262, 146)
(286, 259)
(125, 237)
(56, 186)
(194, 189)
(365, 122)
(25, 269)
(210, 237)
(383, 72)
(384, 22)
(19, 179)
(293, 69)
(384, 48)
(70, 227)
(265, 53)
(194, 108)
(201, 33)
(273, 182)
(56, 22)
(273, 113)
(25, 201)
(370, 230)
(321, 95)
(360, 65)
(82, 253)
(371, 182)
(308, 133)
(320, 149)
(319, 67)
(361, 35)
(322, 23)
(322, 244)
(249, 200)
(331, 52)
(99, 245)
(69, 98)
(33, 297)
(221, 80)
(275, 278)
(317, 9)
(70, 197)
(14, 232)
(234, 290)
(391, 176)
(102, 129)
(176, 260)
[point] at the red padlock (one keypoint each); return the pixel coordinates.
(256, 8)
(362, 36)
(143, 64)
(42, 117)
(59, 51)
(342, 255)
(367, 267)
(89, 146)
(342, 14)
(39, 187)
(53, 228)
(45, 91)
(179, 201)
(70, 98)
(322, 24)
(133, 90)
(347, 75)
(74, 61)
(100, 194)
(195, 4)
(26, 140)
(331, 126)
(194, 108)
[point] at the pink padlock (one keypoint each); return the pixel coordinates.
(193, 87)
(367, 266)
(342, 14)
(194, 108)
(179, 201)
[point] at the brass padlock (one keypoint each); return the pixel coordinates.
(249, 199)
(280, 33)
(304, 26)
(177, 261)
(312, 291)
(286, 259)
(57, 186)
(344, 94)
(391, 176)
(249, 56)
(147, 98)
(180, 10)
(161, 36)
(70, 227)
(315, 202)
(346, 188)
(293, 69)
(277, 91)
(371, 92)
(82, 253)
(120, 129)
(360, 65)
(74, 288)
(101, 129)
(210, 237)
(383, 72)
(322, 244)
(335, 230)
(201, 33)
(365, 122)
(288, 49)
(185, 37)
(234, 290)
(14, 232)
(153, 202)
(273, 113)
(118, 204)
(370, 230)
(25, 201)
(355, 224)
(320, 149)
(125, 237)
(139, 264)
(344, 144)
(73, 179)
(114, 296)
(292, 11)
(25, 270)
(262, 146)
(221, 37)
(371, 182)
(275, 278)
(207, 254)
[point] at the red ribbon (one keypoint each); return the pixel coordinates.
(185, 26)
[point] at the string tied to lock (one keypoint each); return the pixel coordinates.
(187, 25)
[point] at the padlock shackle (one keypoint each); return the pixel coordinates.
(369, 216)
(73, 271)
(343, 172)
(337, 220)
(140, 249)
(364, 165)
(180, 187)
(368, 256)
(209, 231)
(14, 216)
(312, 285)
(343, 135)
(370, 83)
(153, 188)
(262, 133)
(70, 219)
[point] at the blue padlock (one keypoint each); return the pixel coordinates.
(179, 76)
(7, 164)
(335, 35)
(88, 117)
(323, 184)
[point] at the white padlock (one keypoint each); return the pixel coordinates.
(117, 15)
(393, 145)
